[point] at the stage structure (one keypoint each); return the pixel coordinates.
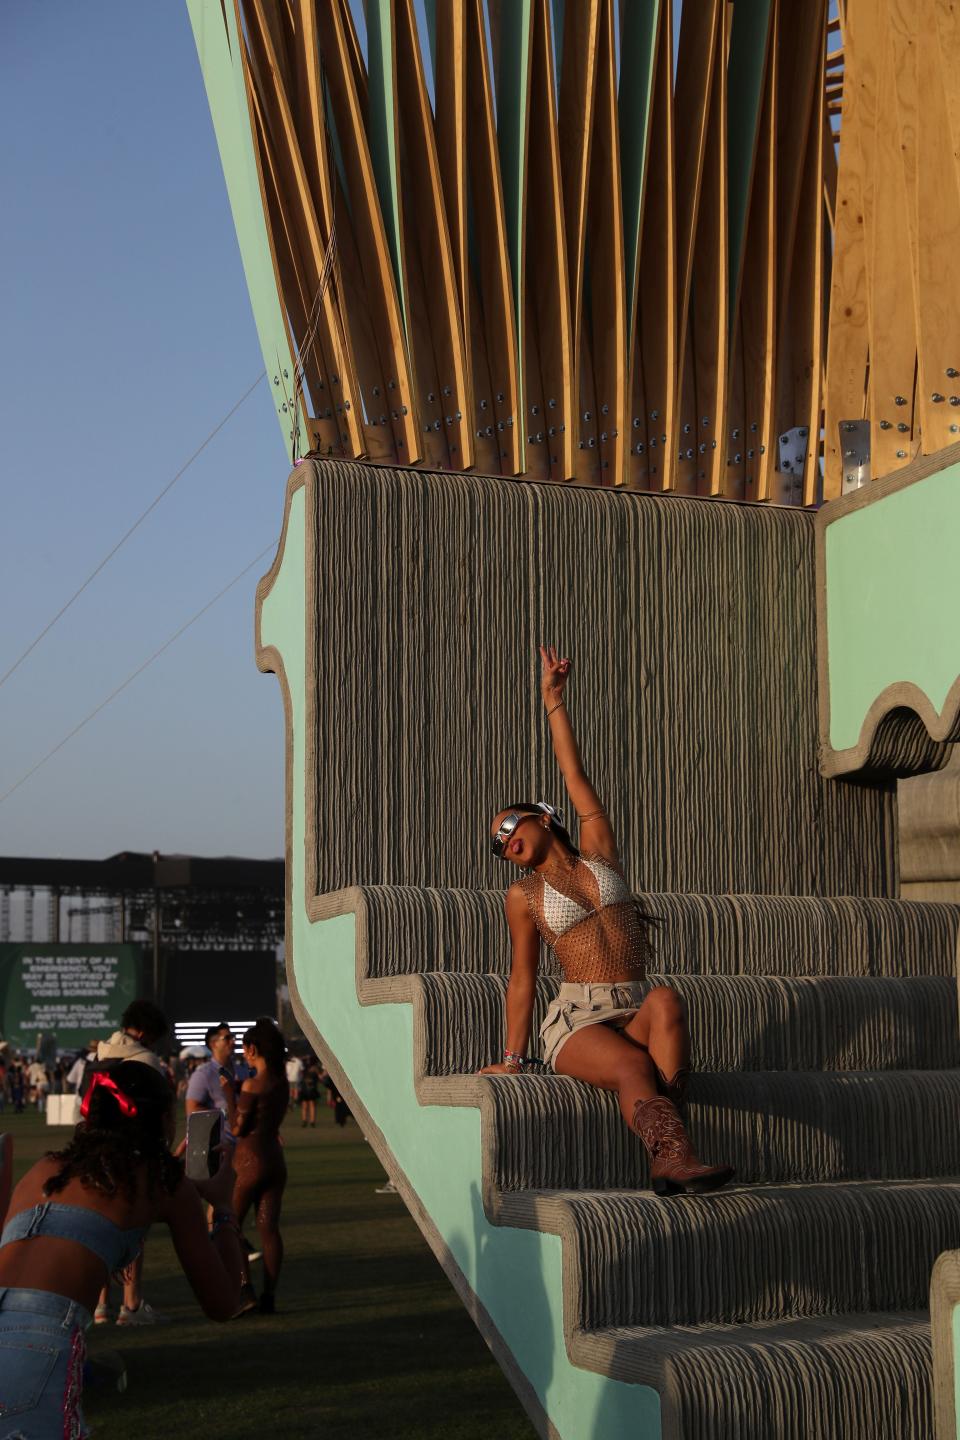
(539, 287)
(204, 934)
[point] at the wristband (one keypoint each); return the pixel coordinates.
(512, 1059)
(555, 707)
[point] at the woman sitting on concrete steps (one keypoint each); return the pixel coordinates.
(607, 1025)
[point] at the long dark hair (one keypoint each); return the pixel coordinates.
(269, 1042)
(109, 1146)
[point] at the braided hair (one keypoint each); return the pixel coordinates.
(111, 1145)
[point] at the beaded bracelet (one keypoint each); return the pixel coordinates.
(513, 1061)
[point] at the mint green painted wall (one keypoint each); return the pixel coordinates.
(218, 49)
(893, 599)
(515, 1273)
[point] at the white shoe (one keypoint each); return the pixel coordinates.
(143, 1315)
(102, 1315)
(388, 1189)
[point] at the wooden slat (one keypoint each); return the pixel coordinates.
(709, 321)
(749, 45)
(802, 36)
(546, 280)
(758, 302)
(829, 175)
(511, 30)
(370, 233)
(578, 83)
(639, 38)
(844, 398)
(656, 332)
(427, 244)
(323, 429)
(893, 336)
(303, 218)
(607, 277)
(495, 309)
(449, 42)
(800, 317)
(696, 67)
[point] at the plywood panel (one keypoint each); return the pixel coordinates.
(893, 338)
(938, 220)
(845, 396)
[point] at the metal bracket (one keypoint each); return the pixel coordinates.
(855, 452)
(792, 458)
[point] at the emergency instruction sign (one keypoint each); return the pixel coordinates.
(74, 992)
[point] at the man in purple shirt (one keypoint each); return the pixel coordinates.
(204, 1091)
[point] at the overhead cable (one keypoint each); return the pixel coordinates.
(139, 671)
(126, 536)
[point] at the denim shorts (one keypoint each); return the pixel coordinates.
(578, 1005)
(42, 1350)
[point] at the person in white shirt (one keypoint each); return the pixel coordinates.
(294, 1073)
(39, 1082)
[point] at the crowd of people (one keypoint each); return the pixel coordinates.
(122, 1171)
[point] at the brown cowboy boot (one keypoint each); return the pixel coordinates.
(675, 1089)
(674, 1166)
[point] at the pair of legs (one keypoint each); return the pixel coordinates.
(263, 1192)
(131, 1278)
(308, 1112)
(628, 1060)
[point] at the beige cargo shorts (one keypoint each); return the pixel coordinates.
(578, 1005)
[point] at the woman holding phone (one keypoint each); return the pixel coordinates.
(79, 1215)
(608, 1026)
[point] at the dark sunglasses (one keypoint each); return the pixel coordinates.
(510, 822)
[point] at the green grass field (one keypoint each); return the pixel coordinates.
(369, 1339)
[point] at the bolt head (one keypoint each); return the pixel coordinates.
(899, 400)
(901, 454)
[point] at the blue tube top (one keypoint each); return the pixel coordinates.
(115, 1247)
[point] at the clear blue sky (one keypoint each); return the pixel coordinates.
(126, 335)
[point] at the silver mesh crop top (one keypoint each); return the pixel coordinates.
(588, 917)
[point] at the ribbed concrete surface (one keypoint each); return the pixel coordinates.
(413, 929)
(553, 1133)
(758, 1254)
(737, 1022)
(828, 1379)
(693, 630)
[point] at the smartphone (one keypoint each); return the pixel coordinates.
(204, 1134)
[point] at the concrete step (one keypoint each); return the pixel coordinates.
(548, 1132)
(846, 1377)
(737, 1022)
(408, 929)
(746, 1255)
